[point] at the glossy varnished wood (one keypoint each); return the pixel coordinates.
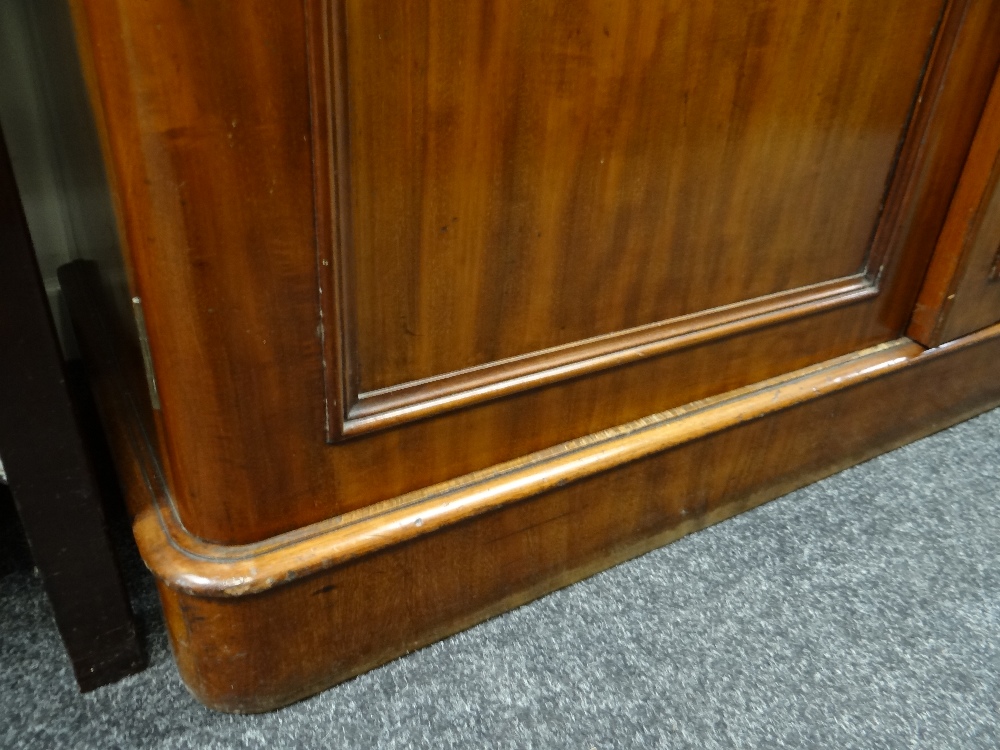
(214, 117)
(212, 570)
(527, 175)
(393, 406)
(599, 182)
(962, 291)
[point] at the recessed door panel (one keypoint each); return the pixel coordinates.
(527, 185)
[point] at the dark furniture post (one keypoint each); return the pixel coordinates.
(49, 470)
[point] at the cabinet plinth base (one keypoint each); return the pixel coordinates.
(258, 626)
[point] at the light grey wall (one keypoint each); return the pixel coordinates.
(27, 130)
(50, 133)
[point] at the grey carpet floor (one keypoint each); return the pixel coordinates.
(863, 611)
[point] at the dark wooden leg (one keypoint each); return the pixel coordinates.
(49, 470)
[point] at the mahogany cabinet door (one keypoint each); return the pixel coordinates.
(384, 243)
(962, 291)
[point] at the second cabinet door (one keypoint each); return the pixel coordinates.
(962, 291)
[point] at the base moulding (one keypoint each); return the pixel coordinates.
(255, 627)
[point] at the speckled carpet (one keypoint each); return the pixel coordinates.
(863, 611)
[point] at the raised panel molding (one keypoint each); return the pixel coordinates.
(391, 406)
(353, 410)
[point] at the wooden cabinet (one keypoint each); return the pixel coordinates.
(450, 303)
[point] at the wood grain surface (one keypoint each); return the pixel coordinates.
(213, 117)
(530, 174)
(961, 293)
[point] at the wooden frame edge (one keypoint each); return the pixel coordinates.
(389, 407)
(190, 565)
(965, 215)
